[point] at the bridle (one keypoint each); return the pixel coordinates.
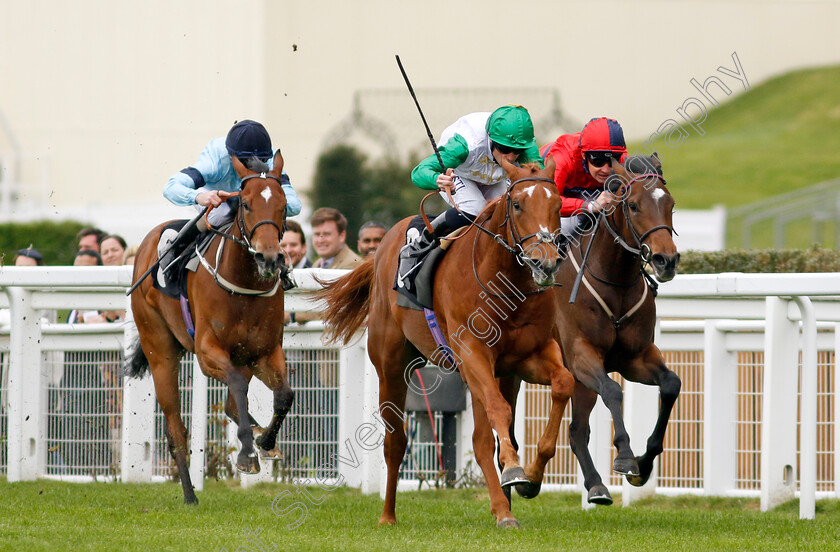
(247, 236)
(244, 241)
(641, 249)
(516, 249)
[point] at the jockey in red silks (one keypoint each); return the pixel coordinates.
(583, 166)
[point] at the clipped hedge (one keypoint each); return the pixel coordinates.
(815, 259)
(55, 240)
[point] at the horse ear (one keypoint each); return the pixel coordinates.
(238, 166)
(550, 167)
(618, 168)
(278, 164)
(509, 168)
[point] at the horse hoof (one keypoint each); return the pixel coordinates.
(528, 490)
(514, 476)
(599, 495)
(248, 463)
(635, 480)
(508, 523)
(273, 454)
(626, 466)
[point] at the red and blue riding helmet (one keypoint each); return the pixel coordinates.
(602, 135)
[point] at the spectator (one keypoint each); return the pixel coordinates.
(113, 251)
(29, 257)
(86, 257)
(130, 254)
(370, 235)
(329, 236)
(294, 245)
(112, 248)
(89, 238)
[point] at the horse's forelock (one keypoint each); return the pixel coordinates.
(255, 164)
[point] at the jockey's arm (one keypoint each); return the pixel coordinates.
(453, 154)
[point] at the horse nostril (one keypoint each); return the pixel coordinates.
(659, 260)
(259, 257)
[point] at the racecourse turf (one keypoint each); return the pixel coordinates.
(56, 516)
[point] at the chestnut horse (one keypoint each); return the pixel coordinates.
(610, 326)
(238, 315)
(492, 297)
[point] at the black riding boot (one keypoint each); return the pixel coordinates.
(186, 237)
(412, 253)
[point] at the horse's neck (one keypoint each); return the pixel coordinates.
(491, 258)
(236, 260)
(608, 259)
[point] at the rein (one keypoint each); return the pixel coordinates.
(244, 241)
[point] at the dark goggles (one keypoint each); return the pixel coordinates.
(600, 159)
(504, 150)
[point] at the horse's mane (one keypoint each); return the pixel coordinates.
(642, 164)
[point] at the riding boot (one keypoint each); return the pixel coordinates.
(413, 252)
(186, 237)
(286, 278)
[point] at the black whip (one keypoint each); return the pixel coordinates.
(428, 131)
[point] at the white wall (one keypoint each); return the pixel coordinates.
(117, 96)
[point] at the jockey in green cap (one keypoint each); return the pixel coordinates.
(471, 150)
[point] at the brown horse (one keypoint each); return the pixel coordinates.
(610, 326)
(492, 296)
(238, 314)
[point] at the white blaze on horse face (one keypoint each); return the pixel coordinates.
(547, 193)
(530, 190)
(266, 193)
(658, 194)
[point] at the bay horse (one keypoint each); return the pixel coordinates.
(610, 326)
(238, 317)
(492, 297)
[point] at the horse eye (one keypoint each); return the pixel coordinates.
(246, 206)
(516, 205)
(634, 207)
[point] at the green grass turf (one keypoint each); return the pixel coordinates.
(781, 135)
(49, 515)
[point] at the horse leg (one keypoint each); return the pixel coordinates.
(273, 373)
(478, 372)
(547, 368)
(166, 388)
(392, 392)
(650, 369)
(484, 447)
(215, 360)
(582, 405)
(589, 370)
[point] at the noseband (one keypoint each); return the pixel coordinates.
(642, 249)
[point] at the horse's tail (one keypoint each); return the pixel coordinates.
(136, 364)
(348, 302)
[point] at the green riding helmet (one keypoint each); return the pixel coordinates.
(511, 126)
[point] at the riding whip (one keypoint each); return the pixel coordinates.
(576, 286)
(139, 281)
(428, 130)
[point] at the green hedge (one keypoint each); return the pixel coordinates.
(55, 240)
(815, 259)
